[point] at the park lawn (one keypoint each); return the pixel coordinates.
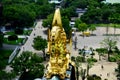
(105, 25)
(16, 42)
(4, 56)
(26, 32)
(5, 53)
(10, 33)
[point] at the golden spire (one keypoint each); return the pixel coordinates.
(57, 19)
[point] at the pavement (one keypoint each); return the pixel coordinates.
(9, 47)
(37, 31)
(92, 41)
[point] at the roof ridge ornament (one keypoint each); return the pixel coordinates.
(57, 19)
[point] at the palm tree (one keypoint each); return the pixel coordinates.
(82, 73)
(83, 54)
(109, 43)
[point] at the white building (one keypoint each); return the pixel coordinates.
(58, 3)
(55, 1)
(112, 1)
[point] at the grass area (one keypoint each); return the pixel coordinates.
(16, 42)
(26, 32)
(4, 56)
(111, 34)
(105, 25)
(10, 33)
(6, 53)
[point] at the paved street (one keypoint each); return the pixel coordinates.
(92, 41)
(37, 31)
(9, 47)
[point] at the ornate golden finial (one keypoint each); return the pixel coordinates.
(59, 55)
(57, 19)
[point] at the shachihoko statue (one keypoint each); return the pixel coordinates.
(59, 55)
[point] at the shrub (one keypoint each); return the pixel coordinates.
(73, 58)
(91, 60)
(12, 37)
(18, 31)
(79, 59)
(112, 59)
(101, 50)
(94, 78)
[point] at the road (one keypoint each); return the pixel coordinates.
(9, 47)
(37, 31)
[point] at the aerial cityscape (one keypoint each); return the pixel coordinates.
(59, 39)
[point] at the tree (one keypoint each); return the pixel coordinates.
(92, 16)
(82, 74)
(114, 18)
(1, 39)
(89, 65)
(109, 43)
(45, 10)
(92, 28)
(66, 26)
(40, 44)
(48, 22)
(92, 54)
(94, 77)
(77, 22)
(82, 27)
(41, 2)
(28, 63)
(83, 54)
(118, 67)
(101, 51)
(19, 15)
(1, 13)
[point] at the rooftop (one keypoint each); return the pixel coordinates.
(112, 1)
(55, 1)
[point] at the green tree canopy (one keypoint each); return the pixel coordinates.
(48, 22)
(82, 27)
(40, 44)
(22, 13)
(92, 28)
(28, 62)
(77, 22)
(18, 15)
(1, 39)
(1, 13)
(109, 43)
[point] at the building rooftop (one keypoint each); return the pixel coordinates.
(112, 1)
(55, 1)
